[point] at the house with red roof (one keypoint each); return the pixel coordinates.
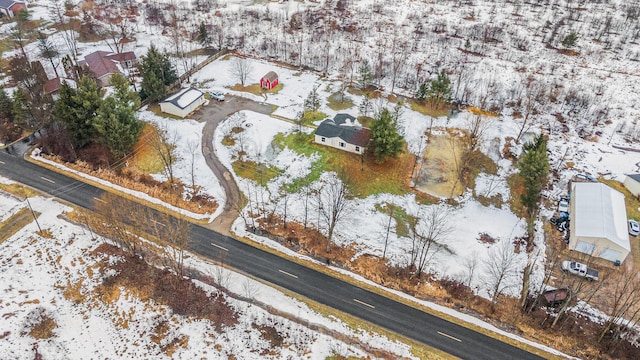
(11, 7)
(104, 64)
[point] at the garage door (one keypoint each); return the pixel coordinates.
(611, 255)
(585, 247)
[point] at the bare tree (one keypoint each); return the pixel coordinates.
(621, 303)
(431, 231)
(470, 267)
(240, 69)
(69, 29)
(502, 269)
(164, 143)
(48, 50)
(531, 105)
(333, 205)
(174, 234)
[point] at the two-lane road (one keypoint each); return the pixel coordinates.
(382, 311)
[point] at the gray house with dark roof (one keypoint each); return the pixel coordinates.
(342, 132)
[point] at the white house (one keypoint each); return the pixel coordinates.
(183, 102)
(342, 132)
(632, 183)
(598, 225)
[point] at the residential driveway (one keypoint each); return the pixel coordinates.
(212, 115)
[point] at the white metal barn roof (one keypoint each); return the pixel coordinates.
(600, 213)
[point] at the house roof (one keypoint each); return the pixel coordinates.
(634, 177)
(129, 55)
(5, 4)
(51, 86)
(355, 135)
(342, 118)
(185, 97)
(600, 212)
(100, 64)
(271, 75)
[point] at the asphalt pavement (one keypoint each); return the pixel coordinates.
(382, 311)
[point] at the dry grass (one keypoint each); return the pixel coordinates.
(145, 157)
(138, 181)
(155, 108)
(44, 328)
(73, 292)
(426, 109)
(482, 112)
(256, 89)
(339, 102)
(19, 190)
(15, 223)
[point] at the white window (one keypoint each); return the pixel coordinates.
(323, 139)
(342, 144)
(358, 148)
(128, 63)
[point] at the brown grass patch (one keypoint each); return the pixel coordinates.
(73, 292)
(478, 111)
(427, 109)
(145, 157)
(44, 327)
(132, 178)
(164, 288)
(15, 223)
(256, 89)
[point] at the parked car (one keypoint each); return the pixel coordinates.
(634, 228)
(580, 269)
(563, 205)
(216, 95)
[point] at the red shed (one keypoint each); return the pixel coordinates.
(269, 81)
(11, 7)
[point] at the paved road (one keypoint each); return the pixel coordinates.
(212, 115)
(428, 329)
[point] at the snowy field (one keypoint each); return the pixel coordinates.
(36, 272)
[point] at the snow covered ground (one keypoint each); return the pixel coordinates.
(37, 273)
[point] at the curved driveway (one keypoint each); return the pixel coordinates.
(212, 115)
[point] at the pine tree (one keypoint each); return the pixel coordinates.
(439, 92)
(534, 168)
(157, 73)
(387, 142)
(20, 106)
(365, 106)
(570, 40)
(312, 103)
(364, 74)
(116, 122)
(77, 109)
(6, 105)
(421, 94)
(203, 35)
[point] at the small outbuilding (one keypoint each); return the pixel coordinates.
(632, 183)
(598, 222)
(10, 8)
(183, 102)
(342, 132)
(269, 80)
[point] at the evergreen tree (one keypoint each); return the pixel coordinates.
(203, 35)
(77, 109)
(534, 168)
(6, 105)
(421, 94)
(570, 40)
(116, 122)
(365, 106)
(20, 106)
(157, 73)
(439, 92)
(364, 74)
(387, 142)
(312, 103)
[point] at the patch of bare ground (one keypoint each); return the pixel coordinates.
(573, 334)
(40, 325)
(163, 287)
